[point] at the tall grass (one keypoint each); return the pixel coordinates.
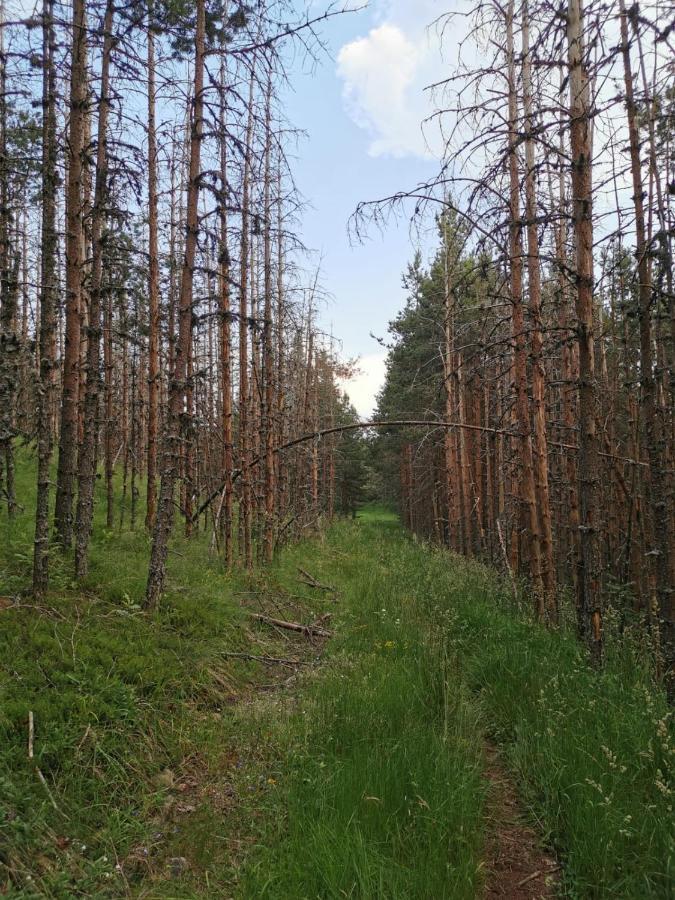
(433, 648)
(362, 779)
(381, 794)
(117, 697)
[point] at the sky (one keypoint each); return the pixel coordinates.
(362, 106)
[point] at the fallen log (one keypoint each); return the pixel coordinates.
(312, 630)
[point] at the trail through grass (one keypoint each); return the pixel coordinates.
(430, 654)
(179, 771)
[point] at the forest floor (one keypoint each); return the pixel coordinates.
(435, 744)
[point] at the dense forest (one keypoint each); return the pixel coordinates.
(543, 327)
(192, 511)
(155, 318)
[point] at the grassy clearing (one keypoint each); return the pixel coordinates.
(177, 775)
(381, 794)
(425, 641)
(132, 714)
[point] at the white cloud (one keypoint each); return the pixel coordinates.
(379, 72)
(362, 389)
(385, 74)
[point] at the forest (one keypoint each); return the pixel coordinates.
(252, 643)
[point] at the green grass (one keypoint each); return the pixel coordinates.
(397, 716)
(118, 698)
(360, 778)
(381, 794)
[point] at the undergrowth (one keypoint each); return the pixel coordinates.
(591, 752)
(381, 793)
(164, 768)
(127, 707)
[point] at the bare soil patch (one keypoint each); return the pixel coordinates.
(518, 867)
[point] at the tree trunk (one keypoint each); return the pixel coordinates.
(589, 602)
(48, 302)
(154, 322)
(87, 461)
(9, 296)
(68, 439)
(178, 387)
(658, 520)
(244, 436)
(527, 484)
(538, 374)
(268, 350)
(225, 331)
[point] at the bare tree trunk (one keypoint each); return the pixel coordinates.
(281, 479)
(9, 295)
(527, 484)
(538, 374)
(225, 332)
(154, 322)
(244, 436)
(268, 350)
(109, 427)
(178, 388)
(67, 466)
(87, 462)
(48, 298)
(451, 480)
(658, 520)
(589, 602)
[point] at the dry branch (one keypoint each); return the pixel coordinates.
(312, 582)
(308, 630)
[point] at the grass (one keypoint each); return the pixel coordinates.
(431, 650)
(381, 794)
(119, 699)
(177, 774)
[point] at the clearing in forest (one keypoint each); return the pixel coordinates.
(423, 739)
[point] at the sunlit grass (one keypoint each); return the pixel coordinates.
(591, 752)
(362, 778)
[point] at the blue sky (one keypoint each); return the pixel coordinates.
(362, 108)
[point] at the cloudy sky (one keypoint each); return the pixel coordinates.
(362, 109)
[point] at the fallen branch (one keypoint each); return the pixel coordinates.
(312, 630)
(399, 423)
(312, 582)
(537, 875)
(43, 781)
(268, 660)
(31, 755)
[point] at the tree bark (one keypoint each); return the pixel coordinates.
(68, 438)
(589, 601)
(179, 386)
(268, 348)
(87, 461)
(154, 322)
(246, 548)
(527, 483)
(658, 521)
(538, 374)
(48, 302)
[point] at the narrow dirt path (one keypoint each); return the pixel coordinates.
(518, 868)
(333, 768)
